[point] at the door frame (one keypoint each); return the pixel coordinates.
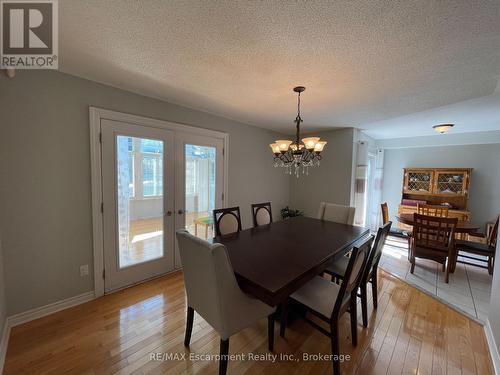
(96, 115)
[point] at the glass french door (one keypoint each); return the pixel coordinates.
(138, 202)
(200, 181)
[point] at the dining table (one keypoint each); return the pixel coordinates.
(462, 226)
(272, 261)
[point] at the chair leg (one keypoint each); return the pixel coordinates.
(354, 318)
(409, 248)
(453, 260)
(491, 262)
(189, 325)
(284, 316)
(224, 351)
(364, 304)
(446, 272)
(334, 338)
(412, 269)
(375, 289)
(270, 332)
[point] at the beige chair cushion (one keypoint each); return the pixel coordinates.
(212, 289)
(336, 213)
(357, 268)
(228, 224)
(262, 216)
(319, 295)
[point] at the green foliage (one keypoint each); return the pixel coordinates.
(290, 212)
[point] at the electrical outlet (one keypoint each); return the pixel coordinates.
(84, 270)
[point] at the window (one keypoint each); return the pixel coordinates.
(145, 166)
(152, 176)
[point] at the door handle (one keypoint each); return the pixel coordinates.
(180, 212)
(169, 213)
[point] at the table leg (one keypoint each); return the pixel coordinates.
(206, 231)
(196, 229)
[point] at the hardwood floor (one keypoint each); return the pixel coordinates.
(410, 333)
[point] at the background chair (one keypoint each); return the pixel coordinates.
(329, 301)
(433, 238)
(487, 249)
(338, 268)
(213, 292)
(262, 214)
(336, 213)
(432, 210)
(227, 220)
(394, 231)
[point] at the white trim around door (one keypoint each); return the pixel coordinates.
(98, 114)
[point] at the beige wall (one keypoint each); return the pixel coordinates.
(331, 182)
(45, 177)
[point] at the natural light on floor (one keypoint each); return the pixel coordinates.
(146, 236)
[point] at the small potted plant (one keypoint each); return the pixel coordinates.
(290, 212)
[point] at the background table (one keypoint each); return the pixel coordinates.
(206, 221)
(273, 261)
(462, 226)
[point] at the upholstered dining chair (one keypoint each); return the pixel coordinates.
(227, 221)
(262, 214)
(433, 238)
(432, 210)
(329, 301)
(487, 249)
(337, 270)
(336, 213)
(213, 292)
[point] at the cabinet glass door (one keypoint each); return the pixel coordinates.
(419, 182)
(450, 183)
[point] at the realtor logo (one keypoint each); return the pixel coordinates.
(29, 34)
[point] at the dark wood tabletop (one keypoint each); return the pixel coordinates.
(273, 261)
(462, 226)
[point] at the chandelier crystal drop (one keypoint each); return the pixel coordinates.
(296, 156)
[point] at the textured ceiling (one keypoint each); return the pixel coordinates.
(363, 62)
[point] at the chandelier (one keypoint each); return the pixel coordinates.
(297, 156)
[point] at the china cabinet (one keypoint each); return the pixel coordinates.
(437, 186)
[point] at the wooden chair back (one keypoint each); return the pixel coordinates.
(432, 210)
(385, 213)
(227, 221)
(492, 237)
(433, 232)
(354, 272)
(262, 214)
(376, 253)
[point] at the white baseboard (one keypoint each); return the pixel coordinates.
(495, 357)
(40, 312)
(4, 342)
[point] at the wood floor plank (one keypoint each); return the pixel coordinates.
(122, 333)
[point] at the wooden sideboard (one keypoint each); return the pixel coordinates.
(436, 186)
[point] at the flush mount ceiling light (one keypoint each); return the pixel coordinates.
(443, 128)
(297, 154)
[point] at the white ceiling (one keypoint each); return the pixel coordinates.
(364, 63)
(474, 115)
